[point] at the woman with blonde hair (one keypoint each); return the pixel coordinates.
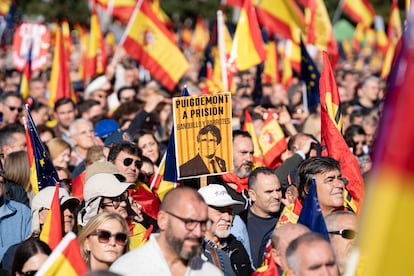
(103, 240)
(59, 151)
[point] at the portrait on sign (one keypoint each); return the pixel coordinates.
(203, 135)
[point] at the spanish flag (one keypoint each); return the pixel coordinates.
(119, 9)
(271, 73)
(360, 11)
(282, 17)
(272, 141)
(248, 46)
(331, 127)
(386, 237)
(27, 74)
(97, 55)
(201, 35)
(248, 126)
(66, 259)
(60, 85)
(151, 43)
(52, 228)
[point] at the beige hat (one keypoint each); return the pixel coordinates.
(44, 198)
(97, 186)
(102, 166)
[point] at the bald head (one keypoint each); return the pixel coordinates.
(180, 196)
(281, 238)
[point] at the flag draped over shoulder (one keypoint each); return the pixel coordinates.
(60, 85)
(248, 46)
(386, 232)
(311, 214)
(360, 11)
(151, 43)
(27, 74)
(331, 127)
(42, 171)
(66, 259)
(310, 75)
(52, 228)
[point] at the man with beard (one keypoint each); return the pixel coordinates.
(219, 245)
(182, 221)
(235, 182)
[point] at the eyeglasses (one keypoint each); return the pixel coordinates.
(13, 108)
(345, 233)
(29, 273)
(104, 237)
(115, 201)
(128, 161)
(191, 224)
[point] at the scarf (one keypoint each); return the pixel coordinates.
(240, 182)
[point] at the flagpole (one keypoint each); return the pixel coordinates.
(304, 97)
(222, 50)
(338, 12)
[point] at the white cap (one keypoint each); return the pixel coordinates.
(96, 84)
(216, 195)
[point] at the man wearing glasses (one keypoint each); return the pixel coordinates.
(11, 107)
(127, 157)
(342, 227)
(182, 220)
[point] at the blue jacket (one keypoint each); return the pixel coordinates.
(15, 223)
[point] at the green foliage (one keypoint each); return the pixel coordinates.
(55, 10)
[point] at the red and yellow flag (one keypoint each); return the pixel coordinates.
(282, 17)
(248, 46)
(67, 37)
(26, 76)
(320, 30)
(248, 126)
(385, 237)
(52, 228)
(360, 11)
(272, 141)
(150, 42)
(82, 34)
(120, 9)
(271, 73)
(96, 48)
(201, 35)
(60, 85)
(331, 127)
(66, 259)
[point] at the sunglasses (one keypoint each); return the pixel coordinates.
(29, 273)
(104, 237)
(128, 161)
(13, 108)
(345, 233)
(115, 201)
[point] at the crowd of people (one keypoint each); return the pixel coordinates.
(108, 146)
